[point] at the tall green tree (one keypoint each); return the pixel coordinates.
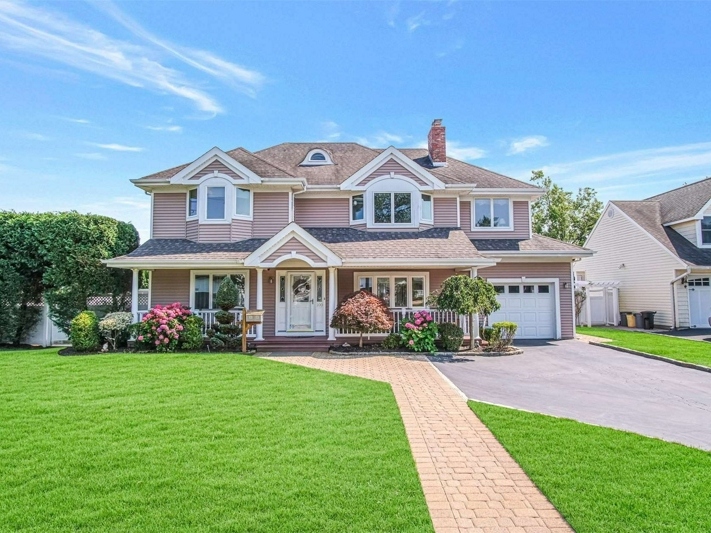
(560, 214)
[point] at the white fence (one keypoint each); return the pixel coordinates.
(438, 316)
(208, 318)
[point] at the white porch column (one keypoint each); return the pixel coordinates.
(473, 274)
(260, 303)
(332, 290)
(134, 294)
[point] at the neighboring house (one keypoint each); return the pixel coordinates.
(659, 249)
(301, 225)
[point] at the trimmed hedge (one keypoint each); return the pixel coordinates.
(84, 332)
(451, 336)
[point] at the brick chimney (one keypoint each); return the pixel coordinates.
(437, 144)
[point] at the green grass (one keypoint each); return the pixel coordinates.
(672, 347)
(604, 480)
(199, 443)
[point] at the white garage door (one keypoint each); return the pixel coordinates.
(699, 302)
(531, 306)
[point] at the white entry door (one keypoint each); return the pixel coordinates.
(301, 301)
(531, 306)
(699, 302)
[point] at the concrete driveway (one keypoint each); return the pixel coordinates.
(573, 379)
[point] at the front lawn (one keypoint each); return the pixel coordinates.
(672, 347)
(604, 480)
(199, 442)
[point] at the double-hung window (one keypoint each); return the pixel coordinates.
(243, 202)
(706, 231)
(357, 208)
(392, 208)
(192, 202)
(426, 214)
(215, 203)
(206, 285)
(492, 213)
(396, 290)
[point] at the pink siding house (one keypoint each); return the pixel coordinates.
(300, 225)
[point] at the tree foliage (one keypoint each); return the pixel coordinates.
(561, 215)
(362, 312)
(58, 257)
(467, 296)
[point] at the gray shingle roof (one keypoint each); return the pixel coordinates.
(184, 249)
(435, 243)
(648, 214)
(684, 202)
(283, 160)
(537, 243)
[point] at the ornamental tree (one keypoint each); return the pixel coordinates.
(467, 296)
(363, 312)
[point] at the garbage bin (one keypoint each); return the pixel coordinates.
(629, 320)
(648, 319)
(639, 323)
(623, 318)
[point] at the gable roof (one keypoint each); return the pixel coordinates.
(648, 215)
(684, 202)
(284, 160)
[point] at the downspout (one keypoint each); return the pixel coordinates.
(673, 293)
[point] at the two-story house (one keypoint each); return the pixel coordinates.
(659, 249)
(300, 225)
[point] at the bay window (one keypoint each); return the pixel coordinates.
(357, 208)
(215, 203)
(397, 290)
(206, 284)
(492, 213)
(192, 202)
(426, 214)
(243, 202)
(392, 208)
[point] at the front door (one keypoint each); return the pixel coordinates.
(301, 301)
(699, 302)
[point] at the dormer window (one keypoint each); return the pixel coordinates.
(316, 157)
(706, 231)
(491, 213)
(215, 203)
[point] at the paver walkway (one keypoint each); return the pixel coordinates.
(470, 482)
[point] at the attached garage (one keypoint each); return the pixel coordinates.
(531, 305)
(699, 301)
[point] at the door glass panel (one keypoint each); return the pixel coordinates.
(384, 290)
(514, 289)
(499, 289)
(319, 288)
(403, 208)
(382, 208)
(282, 289)
(543, 289)
(418, 292)
(300, 289)
(528, 289)
(400, 292)
(202, 292)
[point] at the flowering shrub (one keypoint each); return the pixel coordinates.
(114, 327)
(362, 312)
(419, 332)
(162, 327)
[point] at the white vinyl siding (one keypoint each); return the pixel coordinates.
(687, 230)
(626, 253)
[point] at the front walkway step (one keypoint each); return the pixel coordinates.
(470, 482)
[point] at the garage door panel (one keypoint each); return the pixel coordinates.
(533, 312)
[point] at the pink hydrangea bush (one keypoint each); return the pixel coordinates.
(162, 327)
(362, 312)
(419, 332)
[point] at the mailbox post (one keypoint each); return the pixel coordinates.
(250, 317)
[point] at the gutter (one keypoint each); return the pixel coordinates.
(673, 294)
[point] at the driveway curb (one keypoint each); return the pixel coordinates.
(652, 356)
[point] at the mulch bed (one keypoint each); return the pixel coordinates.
(377, 349)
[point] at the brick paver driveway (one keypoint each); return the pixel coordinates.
(596, 385)
(470, 482)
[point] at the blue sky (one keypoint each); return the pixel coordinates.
(616, 96)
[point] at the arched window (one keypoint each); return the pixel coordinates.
(316, 157)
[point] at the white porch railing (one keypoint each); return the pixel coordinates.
(398, 314)
(208, 318)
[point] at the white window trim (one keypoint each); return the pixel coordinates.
(212, 273)
(422, 211)
(307, 162)
(188, 216)
(250, 216)
(699, 233)
(491, 199)
(350, 209)
(392, 275)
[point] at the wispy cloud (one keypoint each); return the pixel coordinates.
(94, 156)
(77, 120)
(637, 166)
(169, 128)
(391, 14)
(32, 136)
(414, 22)
(42, 32)
(382, 138)
(525, 144)
(118, 147)
(331, 131)
(454, 47)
